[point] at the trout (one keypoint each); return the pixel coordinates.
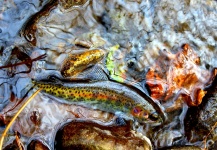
(105, 96)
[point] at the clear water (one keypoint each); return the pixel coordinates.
(139, 28)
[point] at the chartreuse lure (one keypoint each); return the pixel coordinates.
(115, 74)
(106, 96)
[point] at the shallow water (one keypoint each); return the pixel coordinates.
(131, 33)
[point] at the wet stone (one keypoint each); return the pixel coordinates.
(36, 145)
(66, 4)
(12, 146)
(181, 148)
(91, 136)
(200, 122)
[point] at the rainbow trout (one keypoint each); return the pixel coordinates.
(106, 96)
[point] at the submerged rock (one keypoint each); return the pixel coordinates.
(92, 136)
(12, 146)
(200, 122)
(207, 116)
(66, 4)
(187, 147)
(36, 145)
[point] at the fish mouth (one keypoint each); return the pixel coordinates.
(160, 110)
(156, 119)
(157, 122)
(154, 116)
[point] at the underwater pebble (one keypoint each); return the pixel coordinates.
(91, 136)
(37, 145)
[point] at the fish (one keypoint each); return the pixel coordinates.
(76, 63)
(106, 96)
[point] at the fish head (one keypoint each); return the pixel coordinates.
(143, 115)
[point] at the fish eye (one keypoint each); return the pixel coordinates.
(154, 116)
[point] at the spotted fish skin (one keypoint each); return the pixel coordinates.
(106, 96)
(76, 63)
